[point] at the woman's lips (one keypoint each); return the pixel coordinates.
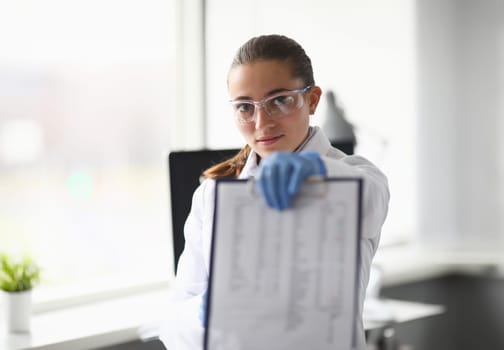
(268, 140)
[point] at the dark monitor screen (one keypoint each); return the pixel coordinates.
(186, 168)
(346, 147)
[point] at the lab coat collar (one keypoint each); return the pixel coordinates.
(250, 167)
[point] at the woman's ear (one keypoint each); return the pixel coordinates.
(313, 98)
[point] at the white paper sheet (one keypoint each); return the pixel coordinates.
(284, 280)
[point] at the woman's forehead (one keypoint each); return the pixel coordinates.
(261, 77)
(274, 69)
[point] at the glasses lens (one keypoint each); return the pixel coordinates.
(283, 104)
(280, 104)
(244, 111)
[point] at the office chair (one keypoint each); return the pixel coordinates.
(185, 169)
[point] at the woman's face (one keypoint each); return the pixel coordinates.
(259, 80)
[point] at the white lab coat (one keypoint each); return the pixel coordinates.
(185, 332)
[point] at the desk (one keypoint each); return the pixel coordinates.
(379, 320)
(403, 311)
(380, 333)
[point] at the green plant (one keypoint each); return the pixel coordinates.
(18, 275)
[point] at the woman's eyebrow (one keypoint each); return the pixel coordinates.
(270, 93)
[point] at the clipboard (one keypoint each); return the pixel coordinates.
(288, 279)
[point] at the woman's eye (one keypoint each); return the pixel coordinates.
(244, 107)
(283, 100)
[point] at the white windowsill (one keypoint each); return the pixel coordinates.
(92, 325)
(129, 318)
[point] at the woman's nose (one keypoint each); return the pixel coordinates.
(262, 119)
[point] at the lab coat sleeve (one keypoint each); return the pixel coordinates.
(376, 193)
(192, 274)
(183, 330)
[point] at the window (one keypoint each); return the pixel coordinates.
(86, 95)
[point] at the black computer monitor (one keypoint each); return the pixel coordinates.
(344, 146)
(185, 169)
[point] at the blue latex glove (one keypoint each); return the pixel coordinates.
(281, 174)
(203, 307)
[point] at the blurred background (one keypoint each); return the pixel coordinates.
(94, 94)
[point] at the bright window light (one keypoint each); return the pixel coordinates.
(86, 93)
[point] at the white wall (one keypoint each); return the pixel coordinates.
(364, 50)
(461, 125)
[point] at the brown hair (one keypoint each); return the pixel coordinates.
(262, 48)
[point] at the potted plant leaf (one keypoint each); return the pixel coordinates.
(17, 279)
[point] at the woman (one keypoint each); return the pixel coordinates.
(273, 94)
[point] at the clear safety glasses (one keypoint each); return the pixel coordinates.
(277, 105)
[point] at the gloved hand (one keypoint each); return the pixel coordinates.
(281, 174)
(203, 307)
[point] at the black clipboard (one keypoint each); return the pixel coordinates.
(221, 329)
